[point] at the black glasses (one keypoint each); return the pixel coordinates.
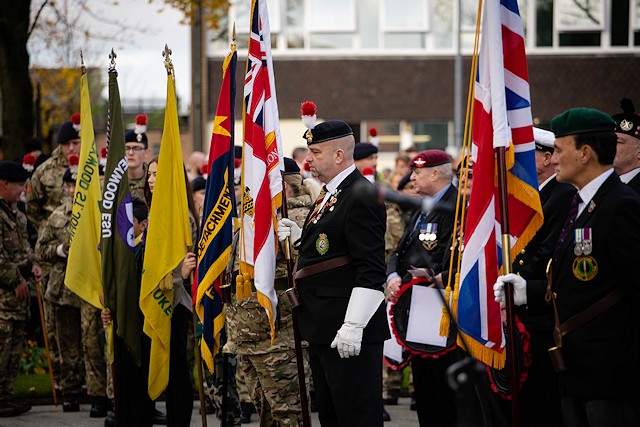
(133, 149)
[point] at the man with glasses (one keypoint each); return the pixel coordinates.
(137, 148)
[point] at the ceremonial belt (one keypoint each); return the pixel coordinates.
(329, 264)
(589, 313)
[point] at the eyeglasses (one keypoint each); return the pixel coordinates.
(134, 149)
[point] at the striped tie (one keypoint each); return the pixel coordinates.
(318, 203)
(568, 224)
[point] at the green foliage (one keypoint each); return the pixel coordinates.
(33, 359)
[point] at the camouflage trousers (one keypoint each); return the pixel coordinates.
(214, 388)
(11, 341)
(93, 346)
(50, 324)
(272, 380)
(69, 335)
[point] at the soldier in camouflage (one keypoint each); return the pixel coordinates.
(46, 195)
(78, 325)
(137, 147)
(270, 370)
(17, 267)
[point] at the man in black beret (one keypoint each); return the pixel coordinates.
(18, 269)
(627, 161)
(593, 285)
(136, 145)
(340, 273)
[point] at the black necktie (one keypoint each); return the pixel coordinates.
(568, 224)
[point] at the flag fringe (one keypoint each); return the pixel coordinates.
(484, 354)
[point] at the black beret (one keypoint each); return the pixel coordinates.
(628, 122)
(404, 181)
(198, 183)
(326, 131)
(581, 120)
(237, 151)
(364, 150)
(67, 132)
(132, 136)
(290, 166)
(69, 175)
(430, 158)
(32, 144)
(12, 172)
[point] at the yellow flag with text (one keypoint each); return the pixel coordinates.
(168, 237)
(84, 265)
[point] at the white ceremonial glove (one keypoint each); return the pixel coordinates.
(288, 228)
(519, 288)
(363, 303)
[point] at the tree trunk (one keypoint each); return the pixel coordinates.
(15, 82)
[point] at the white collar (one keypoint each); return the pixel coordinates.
(546, 181)
(588, 191)
(337, 180)
(626, 177)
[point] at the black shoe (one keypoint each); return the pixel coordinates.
(110, 421)
(413, 405)
(19, 407)
(391, 400)
(160, 418)
(385, 415)
(209, 407)
(71, 404)
(99, 407)
(246, 409)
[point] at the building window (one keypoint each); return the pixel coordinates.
(328, 16)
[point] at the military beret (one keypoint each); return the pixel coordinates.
(290, 166)
(69, 176)
(71, 173)
(32, 144)
(628, 122)
(12, 172)
(404, 181)
(326, 131)
(581, 120)
(69, 130)
(430, 158)
(198, 183)
(543, 139)
(132, 136)
(364, 150)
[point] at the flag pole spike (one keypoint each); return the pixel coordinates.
(233, 34)
(168, 64)
(82, 67)
(112, 61)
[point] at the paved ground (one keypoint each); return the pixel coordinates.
(52, 416)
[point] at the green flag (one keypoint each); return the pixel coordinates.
(119, 273)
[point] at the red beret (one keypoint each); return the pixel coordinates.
(430, 158)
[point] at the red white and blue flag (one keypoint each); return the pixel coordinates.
(501, 118)
(261, 166)
(214, 243)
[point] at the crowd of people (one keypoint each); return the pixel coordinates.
(573, 286)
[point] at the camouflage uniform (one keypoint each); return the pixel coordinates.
(270, 370)
(66, 304)
(93, 347)
(45, 195)
(16, 258)
(136, 186)
(214, 386)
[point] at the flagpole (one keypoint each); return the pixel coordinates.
(292, 294)
(46, 341)
(506, 265)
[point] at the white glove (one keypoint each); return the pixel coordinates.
(363, 304)
(519, 288)
(288, 228)
(348, 340)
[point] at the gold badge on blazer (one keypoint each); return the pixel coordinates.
(322, 244)
(585, 268)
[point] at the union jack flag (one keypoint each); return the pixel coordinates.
(261, 166)
(501, 118)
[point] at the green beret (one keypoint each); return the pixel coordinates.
(12, 172)
(581, 120)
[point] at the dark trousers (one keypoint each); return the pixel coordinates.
(179, 391)
(435, 401)
(134, 407)
(601, 412)
(348, 391)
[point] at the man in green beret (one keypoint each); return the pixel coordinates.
(17, 269)
(592, 285)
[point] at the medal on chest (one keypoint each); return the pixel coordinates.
(429, 235)
(584, 265)
(322, 244)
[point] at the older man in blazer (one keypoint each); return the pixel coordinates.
(339, 276)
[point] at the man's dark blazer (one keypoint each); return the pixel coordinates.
(411, 252)
(603, 355)
(355, 227)
(635, 183)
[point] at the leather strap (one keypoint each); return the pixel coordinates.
(329, 264)
(591, 312)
